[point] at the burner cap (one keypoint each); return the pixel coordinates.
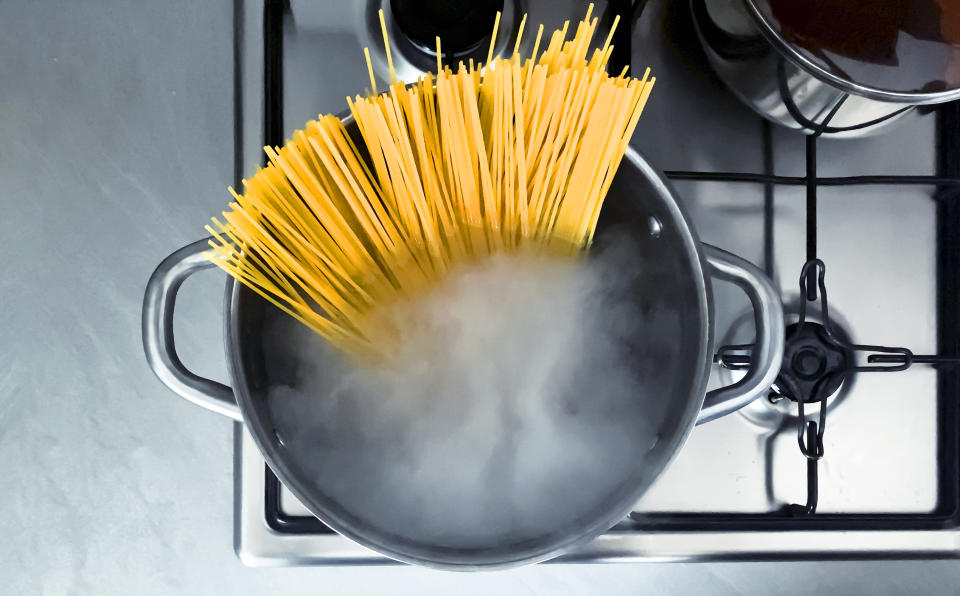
(811, 357)
(461, 24)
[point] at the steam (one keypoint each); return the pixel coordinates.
(513, 407)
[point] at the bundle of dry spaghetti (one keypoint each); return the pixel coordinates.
(514, 155)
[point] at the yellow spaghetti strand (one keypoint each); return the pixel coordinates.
(386, 46)
(373, 81)
(516, 46)
(493, 38)
(613, 27)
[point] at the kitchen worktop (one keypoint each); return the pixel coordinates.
(117, 144)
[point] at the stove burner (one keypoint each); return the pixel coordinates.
(814, 363)
(810, 355)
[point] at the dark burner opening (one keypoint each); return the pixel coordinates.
(461, 25)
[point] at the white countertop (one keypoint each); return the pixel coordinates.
(116, 128)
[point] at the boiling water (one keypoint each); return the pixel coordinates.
(521, 400)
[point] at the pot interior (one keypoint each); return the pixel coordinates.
(342, 454)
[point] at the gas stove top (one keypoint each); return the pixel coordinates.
(888, 483)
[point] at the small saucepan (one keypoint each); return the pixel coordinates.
(837, 68)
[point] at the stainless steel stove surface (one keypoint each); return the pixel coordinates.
(887, 481)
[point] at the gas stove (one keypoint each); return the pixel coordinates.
(882, 478)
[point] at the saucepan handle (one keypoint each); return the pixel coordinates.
(767, 352)
(157, 320)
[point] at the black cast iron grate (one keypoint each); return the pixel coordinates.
(947, 196)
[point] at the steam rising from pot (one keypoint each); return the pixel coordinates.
(520, 399)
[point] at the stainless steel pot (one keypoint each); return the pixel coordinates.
(676, 355)
(807, 91)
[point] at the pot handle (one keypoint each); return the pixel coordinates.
(158, 344)
(767, 354)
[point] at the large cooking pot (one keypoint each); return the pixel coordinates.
(674, 352)
(837, 68)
